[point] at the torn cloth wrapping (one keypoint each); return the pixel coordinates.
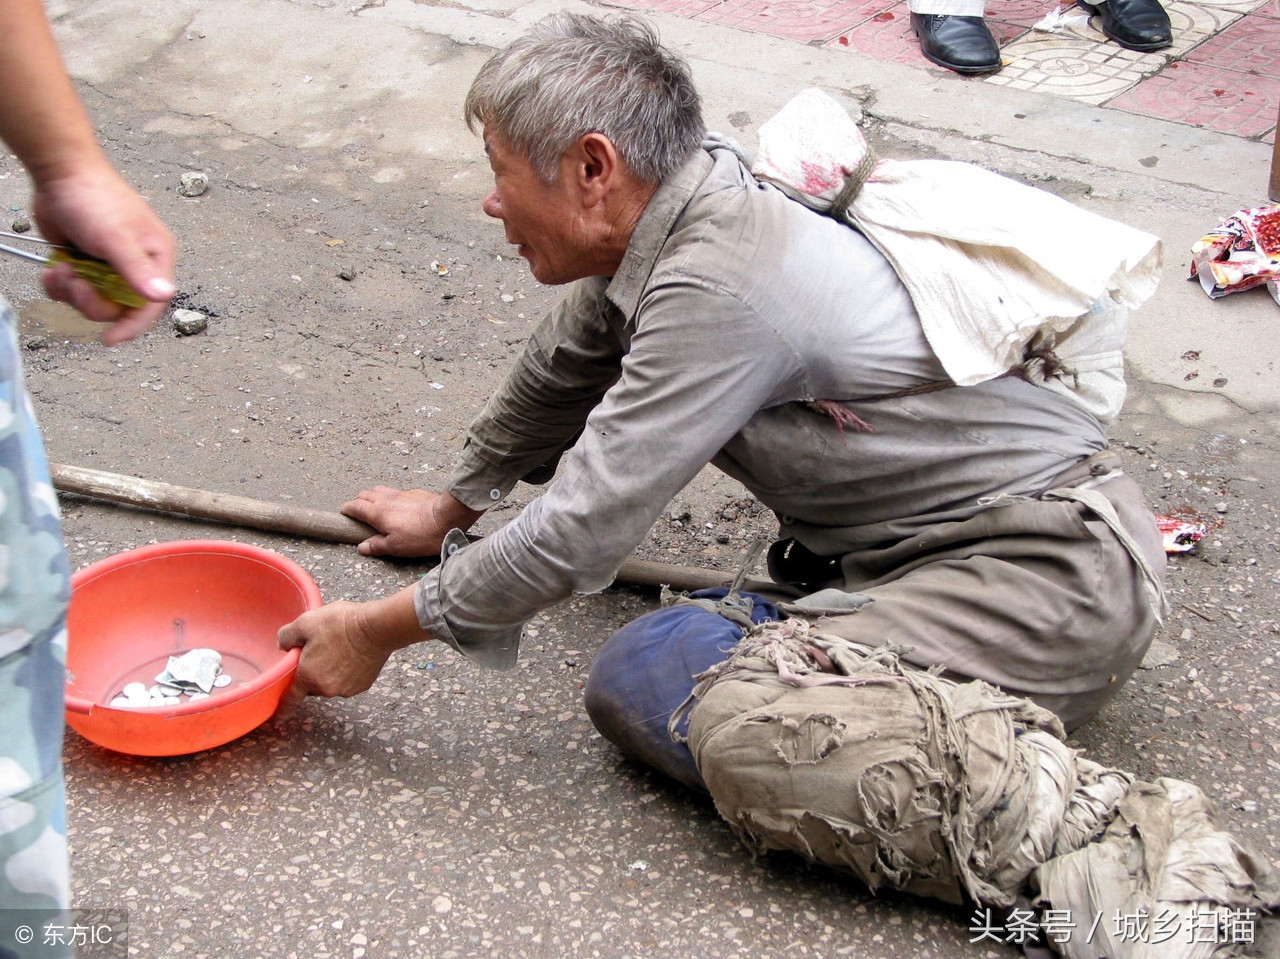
(842, 753)
(999, 272)
(1161, 853)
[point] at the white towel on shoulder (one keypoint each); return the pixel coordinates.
(995, 268)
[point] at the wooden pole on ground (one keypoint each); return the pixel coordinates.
(318, 524)
(201, 504)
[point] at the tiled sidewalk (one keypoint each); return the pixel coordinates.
(1222, 72)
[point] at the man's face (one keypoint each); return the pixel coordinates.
(541, 219)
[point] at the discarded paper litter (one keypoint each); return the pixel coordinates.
(1060, 19)
(1179, 535)
(1242, 252)
(194, 674)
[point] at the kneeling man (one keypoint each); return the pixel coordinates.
(713, 319)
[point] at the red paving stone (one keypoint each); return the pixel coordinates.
(1250, 45)
(803, 20)
(1206, 95)
(678, 8)
(886, 36)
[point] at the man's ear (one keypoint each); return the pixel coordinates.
(595, 167)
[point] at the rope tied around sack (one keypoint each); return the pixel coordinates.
(853, 184)
(733, 606)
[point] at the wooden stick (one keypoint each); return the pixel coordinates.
(318, 524)
(644, 572)
(200, 504)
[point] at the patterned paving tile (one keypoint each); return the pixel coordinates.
(803, 20)
(1243, 6)
(1251, 44)
(1070, 66)
(678, 8)
(1206, 95)
(1080, 63)
(1222, 72)
(1192, 24)
(887, 35)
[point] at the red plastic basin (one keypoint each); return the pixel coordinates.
(130, 612)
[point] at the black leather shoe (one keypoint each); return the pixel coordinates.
(1136, 24)
(962, 44)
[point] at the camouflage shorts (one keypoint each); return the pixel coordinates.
(34, 588)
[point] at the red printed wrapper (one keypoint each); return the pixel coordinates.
(1243, 252)
(1179, 535)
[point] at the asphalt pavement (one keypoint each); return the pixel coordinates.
(452, 812)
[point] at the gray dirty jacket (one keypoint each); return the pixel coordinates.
(733, 308)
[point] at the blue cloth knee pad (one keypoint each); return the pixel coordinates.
(645, 671)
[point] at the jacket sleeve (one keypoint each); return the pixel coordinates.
(699, 365)
(570, 361)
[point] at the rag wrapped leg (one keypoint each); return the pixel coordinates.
(847, 755)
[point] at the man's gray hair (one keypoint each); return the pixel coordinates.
(573, 74)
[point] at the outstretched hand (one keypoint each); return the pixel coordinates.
(345, 645)
(410, 522)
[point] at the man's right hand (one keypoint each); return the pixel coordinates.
(345, 645)
(409, 522)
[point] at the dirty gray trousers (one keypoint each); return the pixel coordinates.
(1039, 597)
